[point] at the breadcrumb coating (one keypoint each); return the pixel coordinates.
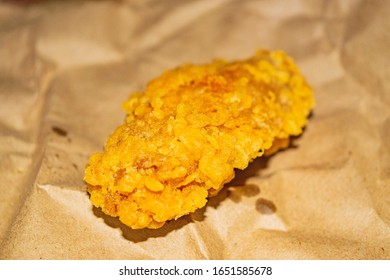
(185, 135)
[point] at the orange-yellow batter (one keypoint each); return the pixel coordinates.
(187, 132)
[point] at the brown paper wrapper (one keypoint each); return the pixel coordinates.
(66, 66)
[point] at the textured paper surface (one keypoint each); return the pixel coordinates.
(66, 67)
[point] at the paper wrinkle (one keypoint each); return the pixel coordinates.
(368, 27)
(172, 21)
(82, 53)
(70, 199)
(76, 202)
(67, 67)
(24, 78)
(202, 247)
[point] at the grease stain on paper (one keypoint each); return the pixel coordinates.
(265, 207)
(268, 218)
(59, 131)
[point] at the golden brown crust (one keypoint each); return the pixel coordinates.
(184, 136)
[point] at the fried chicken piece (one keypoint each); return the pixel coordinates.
(184, 136)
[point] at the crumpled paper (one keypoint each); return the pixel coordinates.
(66, 67)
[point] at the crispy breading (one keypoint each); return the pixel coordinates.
(190, 129)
